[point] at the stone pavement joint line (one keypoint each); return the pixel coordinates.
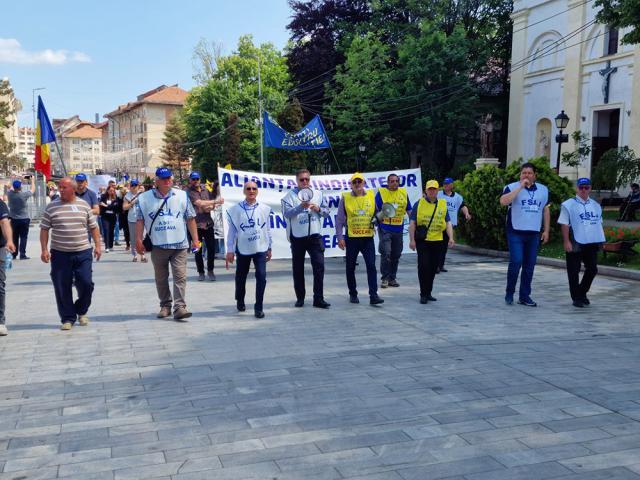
(465, 388)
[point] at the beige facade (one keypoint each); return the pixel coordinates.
(135, 131)
(81, 145)
(26, 146)
(564, 60)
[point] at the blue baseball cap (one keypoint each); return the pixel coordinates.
(17, 184)
(81, 177)
(194, 176)
(135, 183)
(583, 181)
(447, 180)
(163, 172)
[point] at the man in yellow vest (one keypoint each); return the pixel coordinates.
(390, 230)
(355, 211)
(429, 219)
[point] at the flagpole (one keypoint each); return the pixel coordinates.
(260, 120)
(64, 168)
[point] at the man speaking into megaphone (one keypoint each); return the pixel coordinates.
(393, 204)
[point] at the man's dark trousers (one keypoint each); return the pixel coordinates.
(314, 246)
(390, 247)
(445, 247)
(243, 262)
(206, 235)
(65, 266)
(366, 246)
(429, 256)
(20, 227)
(587, 254)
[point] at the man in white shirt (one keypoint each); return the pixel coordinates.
(582, 233)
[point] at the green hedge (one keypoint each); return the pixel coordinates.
(481, 190)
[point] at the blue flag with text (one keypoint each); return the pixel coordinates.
(311, 137)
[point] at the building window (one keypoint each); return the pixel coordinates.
(611, 41)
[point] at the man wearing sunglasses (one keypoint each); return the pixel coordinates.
(304, 227)
(249, 236)
(355, 212)
(581, 223)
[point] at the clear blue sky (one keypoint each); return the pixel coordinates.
(93, 56)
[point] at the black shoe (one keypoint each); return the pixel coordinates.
(240, 306)
(24, 257)
(321, 304)
(394, 283)
(423, 300)
(578, 304)
(431, 299)
(299, 303)
(442, 269)
(354, 299)
(586, 301)
(508, 299)
(437, 271)
(259, 314)
(527, 302)
(375, 300)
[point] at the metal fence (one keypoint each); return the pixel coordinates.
(37, 202)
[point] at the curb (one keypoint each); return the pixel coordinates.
(615, 272)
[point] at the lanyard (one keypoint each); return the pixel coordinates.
(531, 193)
(584, 206)
(253, 212)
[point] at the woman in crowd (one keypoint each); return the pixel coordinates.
(108, 215)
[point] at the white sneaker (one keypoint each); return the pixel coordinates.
(3, 331)
(83, 320)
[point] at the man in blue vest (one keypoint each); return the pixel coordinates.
(528, 206)
(166, 213)
(582, 233)
(455, 204)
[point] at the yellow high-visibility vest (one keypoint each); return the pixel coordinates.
(359, 211)
(439, 223)
(399, 200)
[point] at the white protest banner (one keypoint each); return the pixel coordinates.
(95, 182)
(272, 187)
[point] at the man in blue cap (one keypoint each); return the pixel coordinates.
(455, 204)
(83, 192)
(166, 213)
(203, 203)
(582, 234)
(19, 214)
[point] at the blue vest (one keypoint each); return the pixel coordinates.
(585, 219)
(170, 227)
(528, 206)
(252, 227)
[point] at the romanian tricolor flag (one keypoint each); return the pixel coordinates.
(44, 136)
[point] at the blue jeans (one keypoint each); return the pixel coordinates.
(523, 251)
(243, 263)
(366, 246)
(65, 266)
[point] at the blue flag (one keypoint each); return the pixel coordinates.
(311, 137)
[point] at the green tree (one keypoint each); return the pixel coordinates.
(582, 150)
(621, 14)
(174, 154)
(234, 88)
(617, 167)
(291, 119)
(8, 159)
(232, 140)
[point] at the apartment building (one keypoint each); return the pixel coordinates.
(26, 146)
(80, 143)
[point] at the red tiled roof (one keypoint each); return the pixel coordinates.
(85, 130)
(163, 95)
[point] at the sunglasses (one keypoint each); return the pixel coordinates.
(584, 187)
(251, 189)
(304, 179)
(357, 180)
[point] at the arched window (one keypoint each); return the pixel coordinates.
(546, 52)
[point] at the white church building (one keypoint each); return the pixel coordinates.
(563, 60)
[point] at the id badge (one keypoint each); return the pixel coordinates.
(361, 213)
(533, 209)
(74, 209)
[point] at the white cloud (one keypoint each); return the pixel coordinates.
(12, 52)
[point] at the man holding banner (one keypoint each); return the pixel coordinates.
(249, 236)
(356, 211)
(391, 229)
(304, 208)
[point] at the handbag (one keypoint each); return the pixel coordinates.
(421, 230)
(146, 242)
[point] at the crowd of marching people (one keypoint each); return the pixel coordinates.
(166, 223)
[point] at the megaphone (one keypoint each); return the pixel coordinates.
(305, 194)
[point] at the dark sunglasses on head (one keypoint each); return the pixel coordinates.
(251, 189)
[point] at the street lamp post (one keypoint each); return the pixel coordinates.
(562, 120)
(362, 149)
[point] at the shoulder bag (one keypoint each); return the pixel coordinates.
(148, 245)
(421, 230)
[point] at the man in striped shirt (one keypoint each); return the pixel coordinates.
(69, 219)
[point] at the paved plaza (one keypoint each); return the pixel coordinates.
(465, 388)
